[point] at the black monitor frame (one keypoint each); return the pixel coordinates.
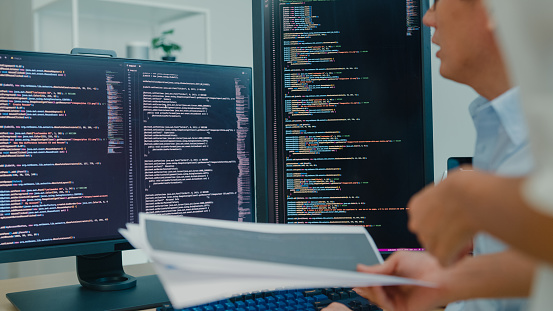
(263, 98)
(99, 262)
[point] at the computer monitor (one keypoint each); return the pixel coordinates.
(346, 86)
(87, 143)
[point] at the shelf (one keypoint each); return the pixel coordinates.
(61, 25)
(151, 11)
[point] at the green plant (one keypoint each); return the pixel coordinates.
(162, 42)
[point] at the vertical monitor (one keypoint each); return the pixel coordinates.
(348, 113)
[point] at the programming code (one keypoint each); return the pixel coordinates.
(58, 130)
(87, 144)
(196, 150)
(347, 127)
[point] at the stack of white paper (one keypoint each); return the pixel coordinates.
(203, 260)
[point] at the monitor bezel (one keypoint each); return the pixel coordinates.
(112, 244)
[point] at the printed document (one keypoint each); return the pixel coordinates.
(202, 260)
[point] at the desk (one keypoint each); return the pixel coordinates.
(54, 280)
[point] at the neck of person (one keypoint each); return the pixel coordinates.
(492, 82)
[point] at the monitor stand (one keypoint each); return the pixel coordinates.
(105, 286)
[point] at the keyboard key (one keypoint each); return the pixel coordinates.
(311, 293)
(260, 301)
(333, 296)
(240, 304)
(250, 302)
(320, 297)
(322, 303)
(258, 295)
(343, 295)
(328, 291)
(280, 297)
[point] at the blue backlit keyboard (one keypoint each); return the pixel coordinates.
(286, 300)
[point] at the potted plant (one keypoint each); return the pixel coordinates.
(167, 46)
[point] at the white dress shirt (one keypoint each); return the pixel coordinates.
(502, 148)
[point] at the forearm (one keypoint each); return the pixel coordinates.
(505, 274)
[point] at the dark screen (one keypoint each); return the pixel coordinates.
(347, 126)
(88, 143)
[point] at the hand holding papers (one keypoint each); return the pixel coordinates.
(201, 260)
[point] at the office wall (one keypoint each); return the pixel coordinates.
(231, 30)
(230, 37)
(454, 134)
(16, 25)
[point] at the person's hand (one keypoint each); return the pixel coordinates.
(443, 217)
(335, 306)
(417, 265)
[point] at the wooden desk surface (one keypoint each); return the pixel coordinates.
(54, 280)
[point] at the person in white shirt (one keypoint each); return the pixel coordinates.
(517, 210)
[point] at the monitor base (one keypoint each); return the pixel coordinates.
(103, 272)
(148, 293)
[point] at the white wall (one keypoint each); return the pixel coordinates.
(16, 27)
(454, 134)
(231, 30)
(229, 26)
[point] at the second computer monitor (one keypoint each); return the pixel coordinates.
(348, 106)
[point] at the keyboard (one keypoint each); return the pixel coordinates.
(286, 300)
